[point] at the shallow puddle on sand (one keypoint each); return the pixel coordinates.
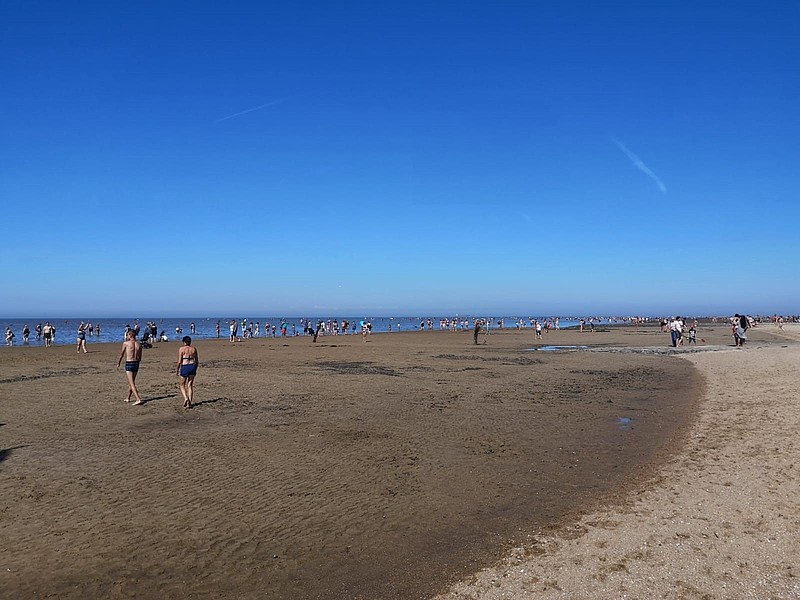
(558, 348)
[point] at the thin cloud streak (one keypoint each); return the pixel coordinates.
(639, 164)
(249, 110)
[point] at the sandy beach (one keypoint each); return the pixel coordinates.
(719, 520)
(415, 465)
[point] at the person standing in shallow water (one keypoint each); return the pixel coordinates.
(81, 338)
(186, 369)
(47, 333)
(132, 353)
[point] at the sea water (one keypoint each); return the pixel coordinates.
(113, 329)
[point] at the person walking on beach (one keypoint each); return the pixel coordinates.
(132, 353)
(9, 337)
(676, 332)
(26, 334)
(741, 324)
(316, 332)
(186, 369)
(476, 331)
(81, 338)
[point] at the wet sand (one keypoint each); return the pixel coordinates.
(342, 469)
(718, 521)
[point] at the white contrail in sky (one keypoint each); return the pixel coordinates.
(637, 162)
(244, 112)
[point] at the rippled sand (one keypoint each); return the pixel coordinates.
(343, 469)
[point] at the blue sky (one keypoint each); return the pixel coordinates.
(426, 158)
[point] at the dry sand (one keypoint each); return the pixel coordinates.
(394, 468)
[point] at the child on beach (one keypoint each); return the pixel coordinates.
(692, 335)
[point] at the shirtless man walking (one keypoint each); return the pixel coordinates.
(132, 353)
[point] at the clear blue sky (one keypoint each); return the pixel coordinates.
(203, 158)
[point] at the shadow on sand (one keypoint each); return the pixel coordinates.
(5, 453)
(215, 400)
(149, 400)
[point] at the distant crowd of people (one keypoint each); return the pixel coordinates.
(188, 361)
(47, 333)
(244, 329)
(740, 323)
(253, 329)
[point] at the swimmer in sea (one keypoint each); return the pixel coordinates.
(132, 353)
(187, 369)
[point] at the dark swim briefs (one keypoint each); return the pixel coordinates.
(132, 366)
(189, 370)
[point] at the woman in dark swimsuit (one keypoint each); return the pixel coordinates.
(82, 338)
(187, 369)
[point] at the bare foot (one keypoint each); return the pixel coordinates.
(138, 403)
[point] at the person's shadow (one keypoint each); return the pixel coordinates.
(5, 453)
(213, 401)
(194, 404)
(149, 400)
